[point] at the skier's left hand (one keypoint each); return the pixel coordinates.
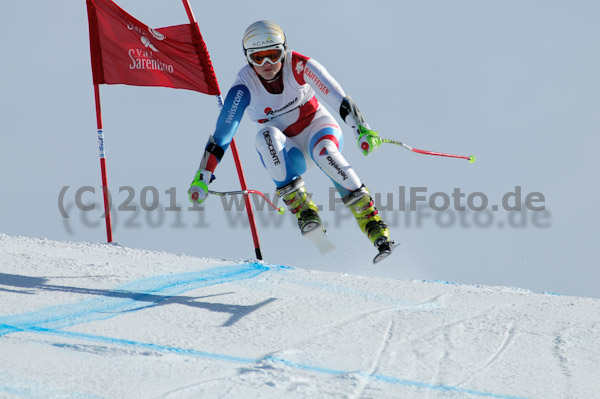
(368, 140)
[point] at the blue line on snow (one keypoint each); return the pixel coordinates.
(50, 320)
(136, 298)
(447, 388)
(143, 345)
(392, 380)
(247, 360)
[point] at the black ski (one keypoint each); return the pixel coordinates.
(385, 250)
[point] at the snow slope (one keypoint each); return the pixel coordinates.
(102, 321)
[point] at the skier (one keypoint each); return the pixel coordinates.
(277, 89)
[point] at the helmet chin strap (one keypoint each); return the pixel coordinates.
(276, 76)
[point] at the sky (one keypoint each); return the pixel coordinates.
(514, 83)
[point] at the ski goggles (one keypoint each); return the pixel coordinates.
(272, 55)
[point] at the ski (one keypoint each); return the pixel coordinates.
(384, 251)
(316, 234)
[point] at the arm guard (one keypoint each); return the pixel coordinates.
(349, 108)
(213, 153)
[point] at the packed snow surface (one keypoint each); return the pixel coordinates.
(84, 320)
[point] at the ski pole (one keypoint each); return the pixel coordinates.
(470, 158)
(280, 210)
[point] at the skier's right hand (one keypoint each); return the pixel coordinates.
(198, 191)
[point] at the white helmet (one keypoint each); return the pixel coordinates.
(263, 34)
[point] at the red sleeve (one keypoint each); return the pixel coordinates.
(298, 64)
(212, 163)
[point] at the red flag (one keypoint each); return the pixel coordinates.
(126, 51)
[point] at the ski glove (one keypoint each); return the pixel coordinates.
(368, 140)
(198, 191)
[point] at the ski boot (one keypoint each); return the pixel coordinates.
(362, 206)
(300, 204)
